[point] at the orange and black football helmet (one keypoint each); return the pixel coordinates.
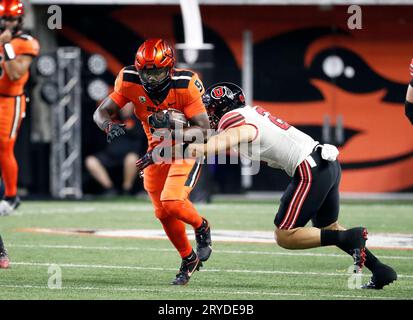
(11, 10)
(221, 98)
(154, 61)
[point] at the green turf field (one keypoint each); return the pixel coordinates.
(113, 268)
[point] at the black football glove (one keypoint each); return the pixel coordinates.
(160, 122)
(144, 162)
(114, 130)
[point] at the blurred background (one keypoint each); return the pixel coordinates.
(301, 60)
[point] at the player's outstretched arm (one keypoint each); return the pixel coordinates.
(223, 141)
(103, 116)
(199, 128)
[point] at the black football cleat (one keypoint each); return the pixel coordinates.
(382, 276)
(357, 240)
(203, 241)
(188, 266)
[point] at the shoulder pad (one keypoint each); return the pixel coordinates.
(130, 74)
(181, 79)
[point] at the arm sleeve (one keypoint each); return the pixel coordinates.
(231, 120)
(118, 95)
(194, 105)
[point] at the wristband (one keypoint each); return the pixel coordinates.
(9, 53)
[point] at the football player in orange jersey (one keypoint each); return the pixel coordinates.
(153, 85)
(17, 50)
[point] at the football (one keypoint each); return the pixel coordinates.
(169, 119)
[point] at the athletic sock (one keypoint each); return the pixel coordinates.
(203, 225)
(190, 257)
(176, 232)
(8, 167)
(10, 199)
(338, 238)
(330, 237)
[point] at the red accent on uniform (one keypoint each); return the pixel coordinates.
(218, 92)
(299, 196)
(228, 120)
(233, 122)
(307, 189)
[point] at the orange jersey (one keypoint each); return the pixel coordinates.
(22, 44)
(185, 95)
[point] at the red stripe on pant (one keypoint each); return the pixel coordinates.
(296, 195)
(307, 189)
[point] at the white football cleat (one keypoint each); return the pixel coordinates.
(7, 207)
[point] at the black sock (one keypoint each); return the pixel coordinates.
(10, 199)
(337, 238)
(191, 257)
(204, 224)
(330, 237)
(1, 245)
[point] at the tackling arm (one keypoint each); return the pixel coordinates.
(199, 127)
(223, 141)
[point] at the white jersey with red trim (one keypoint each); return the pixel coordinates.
(279, 144)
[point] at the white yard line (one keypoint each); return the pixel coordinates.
(114, 248)
(195, 291)
(100, 266)
(392, 241)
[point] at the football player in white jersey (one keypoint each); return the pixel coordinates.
(313, 193)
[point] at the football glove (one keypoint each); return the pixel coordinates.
(159, 120)
(144, 162)
(329, 152)
(114, 130)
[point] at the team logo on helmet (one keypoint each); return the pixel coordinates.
(220, 92)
